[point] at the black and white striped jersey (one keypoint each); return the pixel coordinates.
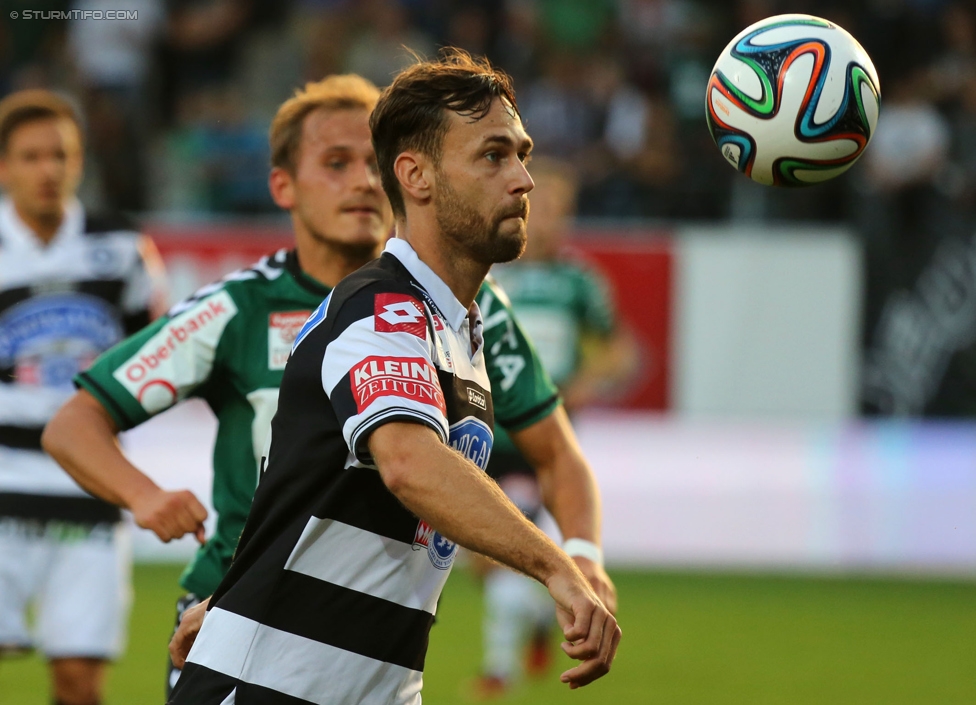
(334, 587)
(61, 305)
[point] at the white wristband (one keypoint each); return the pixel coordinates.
(584, 549)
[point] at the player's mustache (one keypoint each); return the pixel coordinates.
(521, 210)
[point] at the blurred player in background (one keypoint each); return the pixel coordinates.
(566, 309)
(72, 285)
(229, 343)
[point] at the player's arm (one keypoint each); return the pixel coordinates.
(461, 502)
(142, 376)
(82, 438)
(609, 352)
(569, 491)
(526, 405)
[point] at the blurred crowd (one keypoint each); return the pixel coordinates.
(178, 102)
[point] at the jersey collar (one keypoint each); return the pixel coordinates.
(308, 283)
(453, 311)
(16, 230)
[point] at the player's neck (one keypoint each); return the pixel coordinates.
(44, 226)
(328, 262)
(462, 275)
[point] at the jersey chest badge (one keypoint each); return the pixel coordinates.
(283, 328)
(440, 550)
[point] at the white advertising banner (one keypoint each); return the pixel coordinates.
(889, 496)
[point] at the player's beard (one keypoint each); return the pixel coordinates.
(478, 235)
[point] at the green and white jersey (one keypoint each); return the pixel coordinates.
(559, 303)
(228, 345)
(521, 389)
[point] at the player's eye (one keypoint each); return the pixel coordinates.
(493, 157)
(525, 157)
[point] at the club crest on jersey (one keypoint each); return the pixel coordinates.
(440, 551)
(283, 328)
(399, 313)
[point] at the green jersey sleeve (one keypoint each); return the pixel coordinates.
(164, 363)
(521, 390)
(596, 303)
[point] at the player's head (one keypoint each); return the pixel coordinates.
(553, 206)
(452, 150)
(323, 168)
(40, 152)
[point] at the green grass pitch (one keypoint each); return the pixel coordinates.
(694, 638)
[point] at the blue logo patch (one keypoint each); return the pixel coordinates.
(472, 438)
(49, 339)
(441, 551)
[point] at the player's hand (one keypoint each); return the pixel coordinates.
(591, 631)
(186, 634)
(599, 581)
(170, 515)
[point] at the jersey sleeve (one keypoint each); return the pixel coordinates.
(379, 368)
(144, 295)
(521, 389)
(163, 363)
(596, 303)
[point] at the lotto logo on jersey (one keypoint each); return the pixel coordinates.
(440, 551)
(283, 328)
(399, 313)
(412, 378)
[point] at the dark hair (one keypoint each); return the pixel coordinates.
(411, 112)
(30, 106)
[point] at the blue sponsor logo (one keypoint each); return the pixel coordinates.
(49, 339)
(472, 438)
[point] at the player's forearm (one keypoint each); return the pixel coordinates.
(569, 490)
(570, 494)
(82, 439)
(460, 501)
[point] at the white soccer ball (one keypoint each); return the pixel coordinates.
(793, 100)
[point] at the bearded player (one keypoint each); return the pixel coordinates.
(228, 345)
(375, 473)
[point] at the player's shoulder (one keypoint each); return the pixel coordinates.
(244, 290)
(492, 295)
(383, 275)
(368, 292)
(256, 282)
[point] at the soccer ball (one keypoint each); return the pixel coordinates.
(793, 100)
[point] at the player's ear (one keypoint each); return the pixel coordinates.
(411, 170)
(282, 187)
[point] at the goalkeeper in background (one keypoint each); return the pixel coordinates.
(228, 345)
(566, 309)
